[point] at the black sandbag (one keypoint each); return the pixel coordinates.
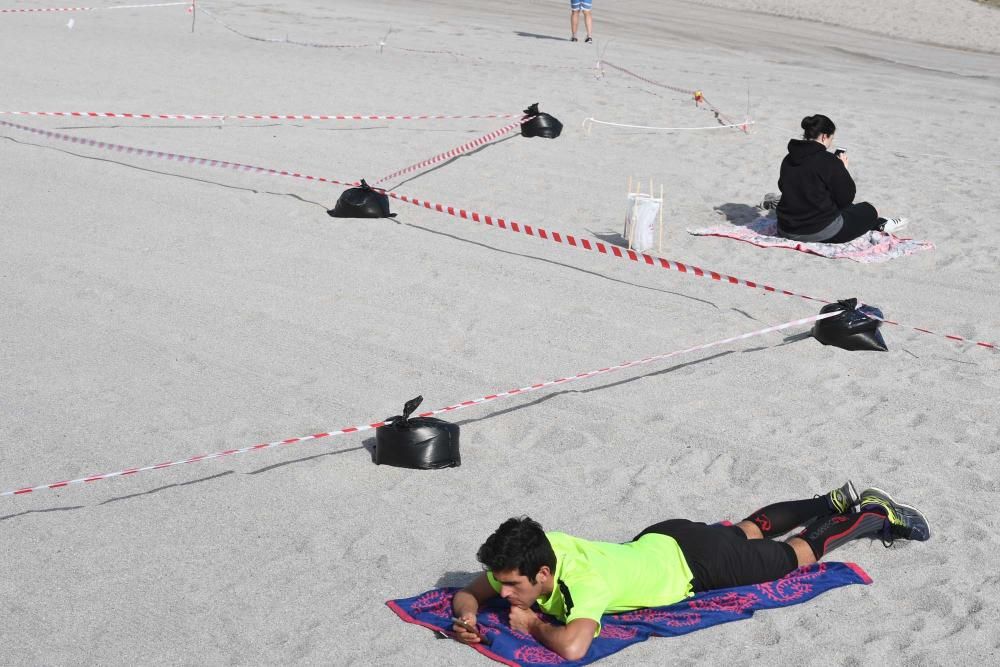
(423, 443)
(361, 202)
(542, 125)
(851, 330)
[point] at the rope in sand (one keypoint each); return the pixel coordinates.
(699, 96)
(33, 10)
(742, 126)
(314, 45)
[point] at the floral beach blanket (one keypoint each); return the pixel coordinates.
(433, 610)
(871, 248)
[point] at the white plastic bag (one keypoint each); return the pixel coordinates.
(641, 221)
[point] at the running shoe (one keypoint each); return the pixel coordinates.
(842, 500)
(902, 520)
(573, 39)
(770, 201)
(892, 224)
(588, 40)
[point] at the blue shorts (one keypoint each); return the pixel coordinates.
(577, 5)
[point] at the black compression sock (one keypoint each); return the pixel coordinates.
(779, 518)
(827, 533)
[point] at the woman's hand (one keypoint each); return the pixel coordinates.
(843, 158)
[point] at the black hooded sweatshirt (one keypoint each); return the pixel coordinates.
(815, 186)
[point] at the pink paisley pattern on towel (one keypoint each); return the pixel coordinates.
(871, 248)
(433, 610)
(794, 586)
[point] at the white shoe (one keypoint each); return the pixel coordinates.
(892, 224)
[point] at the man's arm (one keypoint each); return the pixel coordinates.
(571, 641)
(466, 603)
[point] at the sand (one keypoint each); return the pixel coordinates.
(153, 310)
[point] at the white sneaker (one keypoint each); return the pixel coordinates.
(892, 224)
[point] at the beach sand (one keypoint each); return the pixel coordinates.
(153, 310)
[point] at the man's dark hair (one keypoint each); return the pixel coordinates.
(519, 543)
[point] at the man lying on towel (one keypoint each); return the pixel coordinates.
(577, 581)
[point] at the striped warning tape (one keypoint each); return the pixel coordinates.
(255, 116)
(642, 258)
(451, 408)
(501, 223)
(459, 150)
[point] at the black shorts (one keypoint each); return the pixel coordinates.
(722, 556)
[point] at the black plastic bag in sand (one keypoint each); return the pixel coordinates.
(424, 443)
(852, 329)
(542, 125)
(361, 202)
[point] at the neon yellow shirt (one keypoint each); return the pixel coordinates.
(603, 577)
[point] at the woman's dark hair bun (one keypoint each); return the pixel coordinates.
(813, 126)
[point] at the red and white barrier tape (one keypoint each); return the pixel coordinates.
(255, 116)
(175, 157)
(30, 10)
(501, 223)
(451, 408)
(642, 258)
(455, 152)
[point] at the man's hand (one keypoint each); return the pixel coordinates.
(523, 620)
(464, 635)
(570, 641)
(465, 606)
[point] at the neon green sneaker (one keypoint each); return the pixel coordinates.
(902, 520)
(843, 500)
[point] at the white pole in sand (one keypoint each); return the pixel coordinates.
(635, 208)
(659, 248)
(627, 202)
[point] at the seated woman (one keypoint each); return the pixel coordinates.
(817, 192)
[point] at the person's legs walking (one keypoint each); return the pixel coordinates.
(574, 17)
(588, 21)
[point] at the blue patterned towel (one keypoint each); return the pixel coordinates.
(433, 610)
